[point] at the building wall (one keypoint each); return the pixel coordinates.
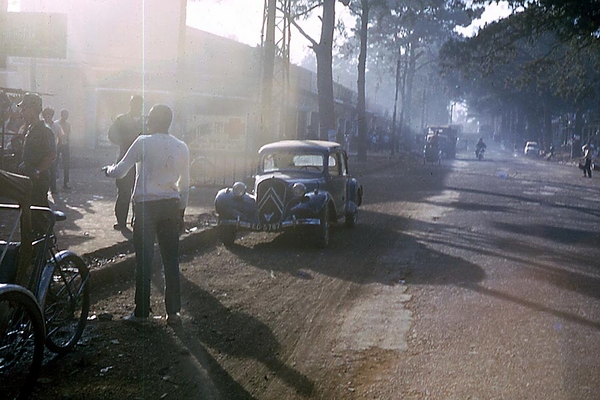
(112, 44)
(120, 47)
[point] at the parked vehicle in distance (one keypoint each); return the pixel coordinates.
(301, 185)
(431, 154)
(532, 149)
(447, 137)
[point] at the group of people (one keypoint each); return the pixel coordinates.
(152, 172)
(61, 128)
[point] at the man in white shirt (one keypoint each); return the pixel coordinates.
(160, 196)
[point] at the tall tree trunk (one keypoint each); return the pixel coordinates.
(3, 8)
(410, 78)
(394, 134)
(403, 94)
(361, 109)
(323, 52)
(266, 133)
(548, 134)
(578, 132)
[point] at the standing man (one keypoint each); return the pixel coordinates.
(47, 115)
(123, 131)
(587, 159)
(159, 200)
(39, 149)
(64, 152)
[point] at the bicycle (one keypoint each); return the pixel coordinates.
(37, 282)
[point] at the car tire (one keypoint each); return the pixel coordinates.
(323, 230)
(227, 234)
(351, 219)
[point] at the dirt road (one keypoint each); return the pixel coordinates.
(423, 299)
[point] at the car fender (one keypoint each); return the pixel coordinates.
(354, 193)
(316, 201)
(229, 206)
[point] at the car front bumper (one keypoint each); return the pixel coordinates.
(288, 224)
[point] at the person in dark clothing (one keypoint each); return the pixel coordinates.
(123, 131)
(587, 159)
(479, 147)
(64, 150)
(47, 115)
(39, 149)
(551, 152)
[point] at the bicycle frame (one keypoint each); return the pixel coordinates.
(46, 256)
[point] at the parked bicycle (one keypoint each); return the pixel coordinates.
(44, 292)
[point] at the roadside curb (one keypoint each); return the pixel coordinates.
(116, 263)
(121, 266)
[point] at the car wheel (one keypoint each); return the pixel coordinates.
(227, 234)
(323, 230)
(350, 219)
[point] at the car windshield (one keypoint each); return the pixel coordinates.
(291, 161)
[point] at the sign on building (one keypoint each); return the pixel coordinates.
(217, 133)
(33, 34)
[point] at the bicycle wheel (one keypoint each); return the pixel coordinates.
(67, 304)
(21, 343)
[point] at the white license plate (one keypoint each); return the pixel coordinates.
(266, 227)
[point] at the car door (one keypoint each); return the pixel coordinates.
(337, 181)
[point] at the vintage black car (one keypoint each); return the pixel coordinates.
(301, 186)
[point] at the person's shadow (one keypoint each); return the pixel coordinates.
(234, 333)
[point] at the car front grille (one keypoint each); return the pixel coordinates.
(271, 201)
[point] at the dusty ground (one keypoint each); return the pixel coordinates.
(256, 318)
(424, 299)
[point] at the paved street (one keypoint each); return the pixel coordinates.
(465, 280)
(507, 301)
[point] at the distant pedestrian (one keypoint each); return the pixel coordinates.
(123, 131)
(159, 201)
(47, 115)
(64, 151)
(587, 159)
(39, 149)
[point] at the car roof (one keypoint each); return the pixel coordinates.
(304, 145)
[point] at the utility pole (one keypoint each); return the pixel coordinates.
(180, 74)
(275, 67)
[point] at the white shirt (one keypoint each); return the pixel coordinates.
(162, 171)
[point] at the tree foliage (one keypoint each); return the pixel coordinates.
(546, 55)
(407, 34)
(323, 48)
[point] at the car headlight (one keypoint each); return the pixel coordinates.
(239, 189)
(298, 189)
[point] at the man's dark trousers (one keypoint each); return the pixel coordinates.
(156, 219)
(124, 191)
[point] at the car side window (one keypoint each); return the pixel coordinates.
(344, 163)
(334, 165)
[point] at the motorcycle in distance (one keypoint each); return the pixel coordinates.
(479, 153)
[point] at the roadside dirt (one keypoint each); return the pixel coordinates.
(260, 320)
